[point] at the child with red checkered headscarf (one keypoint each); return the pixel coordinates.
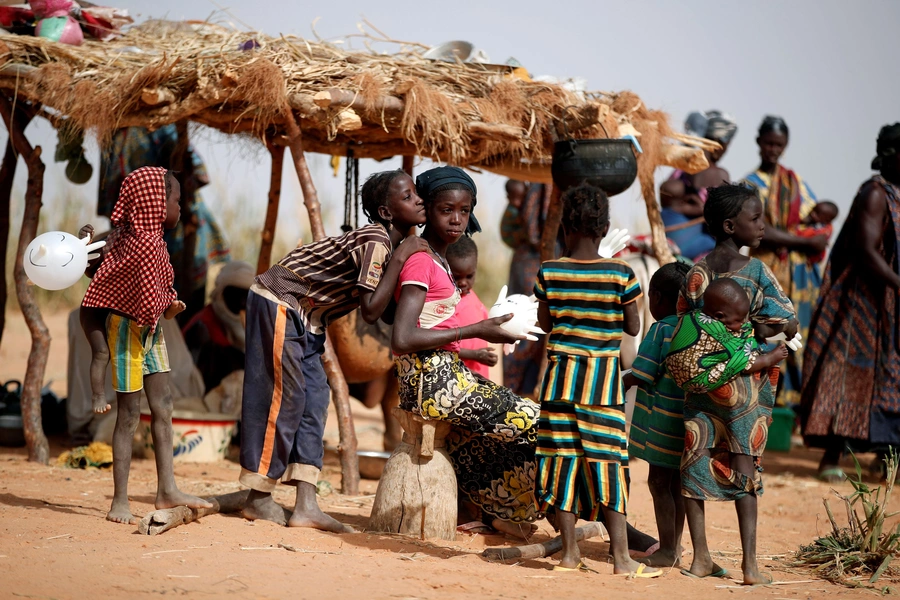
(131, 289)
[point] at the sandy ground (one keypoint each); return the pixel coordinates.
(55, 543)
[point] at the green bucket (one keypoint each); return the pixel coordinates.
(781, 429)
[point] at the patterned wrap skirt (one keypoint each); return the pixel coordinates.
(733, 419)
(491, 444)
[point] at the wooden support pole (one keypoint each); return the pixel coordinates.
(7, 174)
(339, 390)
(548, 252)
(408, 165)
(657, 228)
(35, 440)
(160, 521)
(276, 151)
(182, 161)
(548, 548)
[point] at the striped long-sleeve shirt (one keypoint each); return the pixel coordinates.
(322, 280)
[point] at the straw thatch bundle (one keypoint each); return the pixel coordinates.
(381, 105)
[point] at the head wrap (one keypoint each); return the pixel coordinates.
(888, 144)
(136, 275)
(712, 125)
(432, 179)
(234, 274)
(773, 124)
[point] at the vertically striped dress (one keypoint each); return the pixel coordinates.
(582, 450)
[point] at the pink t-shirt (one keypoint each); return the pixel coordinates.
(441, 295)
(470, 310)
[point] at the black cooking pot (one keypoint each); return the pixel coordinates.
(605, 163)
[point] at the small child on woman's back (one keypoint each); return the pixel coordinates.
(657, 428)
(586, 303)
(819, 222)
(475, 353)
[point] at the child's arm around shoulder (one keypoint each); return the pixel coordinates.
(373, 303)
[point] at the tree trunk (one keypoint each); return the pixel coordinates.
(160, 521)
(339, 391)
(35, 440)
(7, 174)
(548, 548)
(268, 234)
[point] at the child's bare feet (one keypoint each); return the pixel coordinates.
(523, 531)
(262, 507)
(120, 512)
(316, 519)
(176, 307)
(100, 404)
(178, 498)
(752, 576)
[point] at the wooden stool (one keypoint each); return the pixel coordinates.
(417, 491)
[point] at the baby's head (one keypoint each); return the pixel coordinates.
(515, 192)
(463, 259)
(671, 191)
(727, 302)
(665, 285)
(824, 213)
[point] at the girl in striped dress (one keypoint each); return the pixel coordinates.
(586, 303)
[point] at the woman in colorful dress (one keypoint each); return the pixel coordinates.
(787, 200)
(493, 439)
(851, 370)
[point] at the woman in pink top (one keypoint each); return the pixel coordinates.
(495, 431)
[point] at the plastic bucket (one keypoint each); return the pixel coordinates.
(781, 429)
(196, 437)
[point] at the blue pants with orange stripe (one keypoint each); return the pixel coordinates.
(285, 399)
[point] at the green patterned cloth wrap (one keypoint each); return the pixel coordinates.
(705, 355)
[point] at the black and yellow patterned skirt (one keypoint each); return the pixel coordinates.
(494, 431)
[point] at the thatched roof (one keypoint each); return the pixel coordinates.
(380, 105)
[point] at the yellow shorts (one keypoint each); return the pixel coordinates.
(134, 352)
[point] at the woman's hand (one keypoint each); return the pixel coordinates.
(793, 327)
(490, 330)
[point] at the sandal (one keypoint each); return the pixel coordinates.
(832, 475)
(641, 574)
(579, 567)
(722, 573)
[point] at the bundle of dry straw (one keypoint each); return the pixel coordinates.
(161, 72)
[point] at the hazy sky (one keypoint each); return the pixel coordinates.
(825, 66)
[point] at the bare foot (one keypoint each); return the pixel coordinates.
(523, 531)
(120, 512)
(262, 507)
(100, 404)
(316, 519)
(178, 498)
(756, 578)
(662, 558)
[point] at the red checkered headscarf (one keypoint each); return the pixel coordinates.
(136, 275)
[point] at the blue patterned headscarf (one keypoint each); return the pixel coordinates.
(429, 182)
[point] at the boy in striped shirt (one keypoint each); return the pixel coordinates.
(286, 393)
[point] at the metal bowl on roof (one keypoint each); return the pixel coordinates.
(450, 51)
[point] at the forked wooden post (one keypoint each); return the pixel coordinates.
(339, 389)
(276, 151)
(182, 160)
(657, 228)
(35, 440)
